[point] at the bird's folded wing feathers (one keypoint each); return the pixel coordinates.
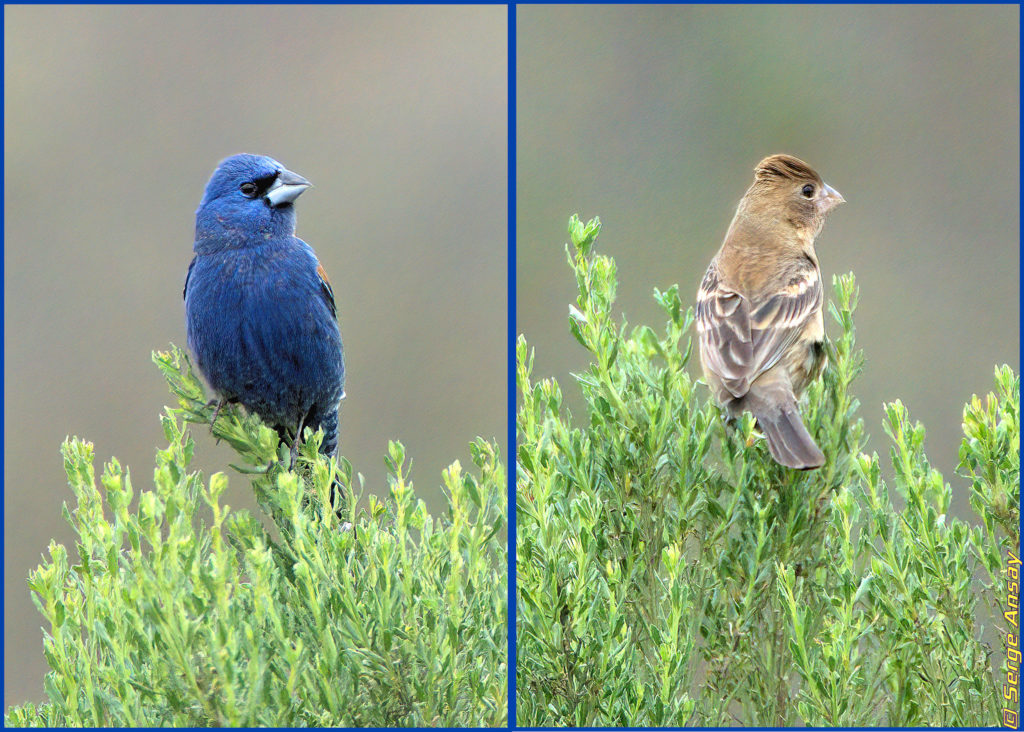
(326, 289)
(184, 290)
(741, 340)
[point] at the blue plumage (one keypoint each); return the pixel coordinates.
(259, 310)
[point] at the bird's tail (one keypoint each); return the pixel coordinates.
(789, 442)
(329, 447)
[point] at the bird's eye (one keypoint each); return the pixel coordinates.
(807, 191)
(248, 189)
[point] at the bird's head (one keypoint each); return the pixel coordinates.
(789, 190)
(249, 196)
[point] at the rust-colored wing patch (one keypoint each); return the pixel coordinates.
(326, 289)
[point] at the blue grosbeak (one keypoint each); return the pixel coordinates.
(759, 306)
(259, 309)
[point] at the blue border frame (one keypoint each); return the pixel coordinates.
(512, 329)
(511, 377)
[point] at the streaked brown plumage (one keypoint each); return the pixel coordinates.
(759, 306)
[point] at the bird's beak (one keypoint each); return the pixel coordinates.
(286, 188)
(832, 198)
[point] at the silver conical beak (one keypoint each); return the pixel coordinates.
(286, 188)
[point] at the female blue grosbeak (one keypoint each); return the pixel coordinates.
(259, 309)
(759, 306)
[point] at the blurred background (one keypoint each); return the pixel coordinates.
(653, 118)
(115, 119)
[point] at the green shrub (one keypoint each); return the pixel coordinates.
(384, 616)
(670, 573)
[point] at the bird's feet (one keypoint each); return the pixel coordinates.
(732, 422)
(220, 404)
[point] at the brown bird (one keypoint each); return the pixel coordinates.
(759, 306)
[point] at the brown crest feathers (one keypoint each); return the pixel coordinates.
(784, 167)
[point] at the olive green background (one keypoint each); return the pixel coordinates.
(653, 118)
(116, 117)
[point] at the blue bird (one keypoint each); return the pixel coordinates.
(259, 309)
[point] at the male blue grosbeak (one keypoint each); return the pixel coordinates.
(759, 306)
(259, 309)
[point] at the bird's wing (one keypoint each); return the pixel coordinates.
(326, 290)
(184, 290)
(741, 340)
(723, 326)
